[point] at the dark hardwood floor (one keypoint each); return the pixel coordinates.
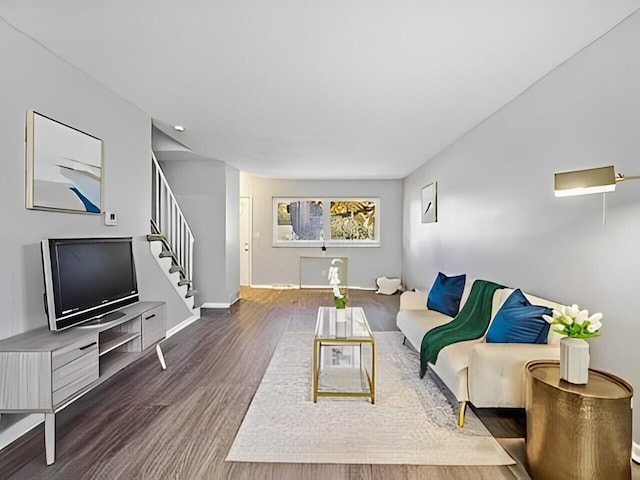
(146, 423)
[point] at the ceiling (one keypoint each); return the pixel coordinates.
(317, 89)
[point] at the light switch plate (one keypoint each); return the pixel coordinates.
(110, 218)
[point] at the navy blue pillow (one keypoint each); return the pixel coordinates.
(445, 294)
(518, 321)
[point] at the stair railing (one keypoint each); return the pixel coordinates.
(169, 220)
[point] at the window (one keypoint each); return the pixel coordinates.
(304, 222)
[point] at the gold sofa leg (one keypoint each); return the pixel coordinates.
(463, 407)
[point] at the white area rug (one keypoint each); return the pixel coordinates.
(412, 421)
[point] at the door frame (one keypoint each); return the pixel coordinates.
(249, 234)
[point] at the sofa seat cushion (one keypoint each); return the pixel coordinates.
(496, 374)
(415, 323)
(452, 367)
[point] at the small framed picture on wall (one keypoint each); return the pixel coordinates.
(429, 203)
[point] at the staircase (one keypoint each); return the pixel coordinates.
(171, 239)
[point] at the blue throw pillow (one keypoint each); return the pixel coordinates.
(445, 294)
(518, 321)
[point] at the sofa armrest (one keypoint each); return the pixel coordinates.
(413, 301)
(496, 372)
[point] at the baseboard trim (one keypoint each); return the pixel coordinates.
(308, 287)
(184, 324)
(215, 305)
(635, 452)
(19, 428)
(270, 287)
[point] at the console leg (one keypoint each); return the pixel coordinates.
(160, 357)
(50, 436)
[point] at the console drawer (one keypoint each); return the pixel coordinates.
(84, 377)
(69, 353)
(74, 367)
(72, 371)
(153, 326)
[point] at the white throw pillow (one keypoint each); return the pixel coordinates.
(387, 286)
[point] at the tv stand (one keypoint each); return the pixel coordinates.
(106, 318)
(46, 371)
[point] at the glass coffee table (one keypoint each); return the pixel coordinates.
(341, 366)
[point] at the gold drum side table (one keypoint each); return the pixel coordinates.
(574, 431)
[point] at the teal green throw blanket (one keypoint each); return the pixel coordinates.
(470, 323)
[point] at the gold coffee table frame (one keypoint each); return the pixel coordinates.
(355, 331)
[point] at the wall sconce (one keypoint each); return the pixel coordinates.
(593, 180)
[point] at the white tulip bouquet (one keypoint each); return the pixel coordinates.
(339, 299)
(575, 323)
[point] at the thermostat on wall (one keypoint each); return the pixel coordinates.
(110, 218)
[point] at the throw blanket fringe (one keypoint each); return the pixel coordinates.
(470, 323)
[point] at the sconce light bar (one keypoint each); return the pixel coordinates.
(593, 180)
(583, 182)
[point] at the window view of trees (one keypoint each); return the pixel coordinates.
(353, 220)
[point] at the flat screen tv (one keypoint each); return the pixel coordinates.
(87, 279)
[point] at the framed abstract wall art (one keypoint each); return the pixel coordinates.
(63, 167)
(429, 196)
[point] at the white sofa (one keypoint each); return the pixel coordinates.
(486, 374)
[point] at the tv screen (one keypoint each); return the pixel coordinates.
(86, 278)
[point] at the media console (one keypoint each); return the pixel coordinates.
(44, 371)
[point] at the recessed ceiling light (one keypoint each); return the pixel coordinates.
(179, 128)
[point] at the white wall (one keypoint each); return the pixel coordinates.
(232, 240)
(499, 219)
(34, 78)
(281, 265)
(207, 192)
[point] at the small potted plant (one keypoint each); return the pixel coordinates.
(577, 326)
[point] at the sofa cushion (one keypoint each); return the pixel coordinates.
(415, 323)
(451, 367)
(518, 321)
(445, 294)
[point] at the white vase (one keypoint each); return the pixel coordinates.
(574, 360)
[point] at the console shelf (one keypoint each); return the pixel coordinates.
(45, 371)
(115, 362)
(111, 340)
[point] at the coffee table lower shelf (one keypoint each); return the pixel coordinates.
(353, 380)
